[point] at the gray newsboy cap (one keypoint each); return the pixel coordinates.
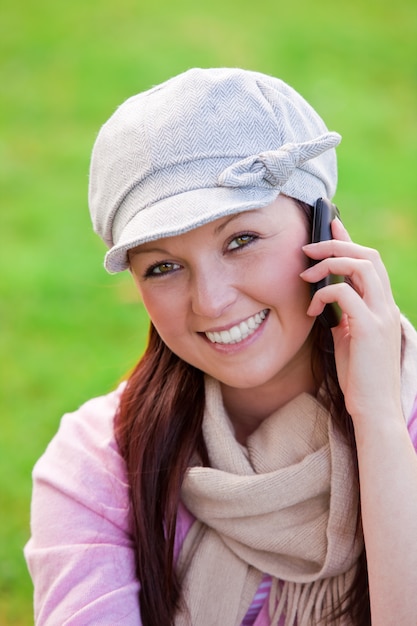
(205, 144)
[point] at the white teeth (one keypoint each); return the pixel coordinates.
(244, 328)
(235, 333)
(225, 336)
(240, 331)
(251, 322)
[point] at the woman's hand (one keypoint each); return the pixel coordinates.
(368, 339)
(368, 359)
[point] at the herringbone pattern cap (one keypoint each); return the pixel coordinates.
(204, 144)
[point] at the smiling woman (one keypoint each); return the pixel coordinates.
(220, 484)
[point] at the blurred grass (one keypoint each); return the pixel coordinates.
(67, 330)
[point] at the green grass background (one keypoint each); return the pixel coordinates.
(69, 331)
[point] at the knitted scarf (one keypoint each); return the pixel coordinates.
(286, 505)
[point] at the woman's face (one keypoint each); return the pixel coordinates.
(227, 297)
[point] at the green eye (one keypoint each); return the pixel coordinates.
(162, 268)
(240, 241)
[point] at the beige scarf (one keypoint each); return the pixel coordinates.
(285, 505)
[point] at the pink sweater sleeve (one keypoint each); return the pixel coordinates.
(412, 425)
(80, 554)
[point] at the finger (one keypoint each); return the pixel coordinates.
(339, 231)
(338, 248)
(358, 321)
(361, 311)
(354, 308)
(362, 275)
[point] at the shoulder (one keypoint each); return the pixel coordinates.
(81, 553)
(92, 422)
(80, 484)
(82, 469)
(88, 430)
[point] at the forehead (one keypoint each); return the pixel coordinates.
(283, 210)
(215, 227)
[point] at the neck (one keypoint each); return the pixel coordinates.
(247, 408)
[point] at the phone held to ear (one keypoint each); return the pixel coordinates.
(323, 214)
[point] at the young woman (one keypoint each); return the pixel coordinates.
(258, 466)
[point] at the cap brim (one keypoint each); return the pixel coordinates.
(181, 213)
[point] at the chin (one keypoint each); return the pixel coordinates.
(245, 380)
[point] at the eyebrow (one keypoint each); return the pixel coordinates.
(139, 250)
(217, 231)
(235, 216)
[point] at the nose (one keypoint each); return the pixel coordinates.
(212, 291)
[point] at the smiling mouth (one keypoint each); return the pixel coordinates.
(238, 333)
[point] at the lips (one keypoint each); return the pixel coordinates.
(238, 333)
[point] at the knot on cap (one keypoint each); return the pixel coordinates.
(274, 167)
(178, 156)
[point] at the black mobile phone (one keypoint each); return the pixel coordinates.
(324, 213)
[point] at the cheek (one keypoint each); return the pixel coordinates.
(158, 310)
(153, 302)
(279, 278)
(165, 309)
